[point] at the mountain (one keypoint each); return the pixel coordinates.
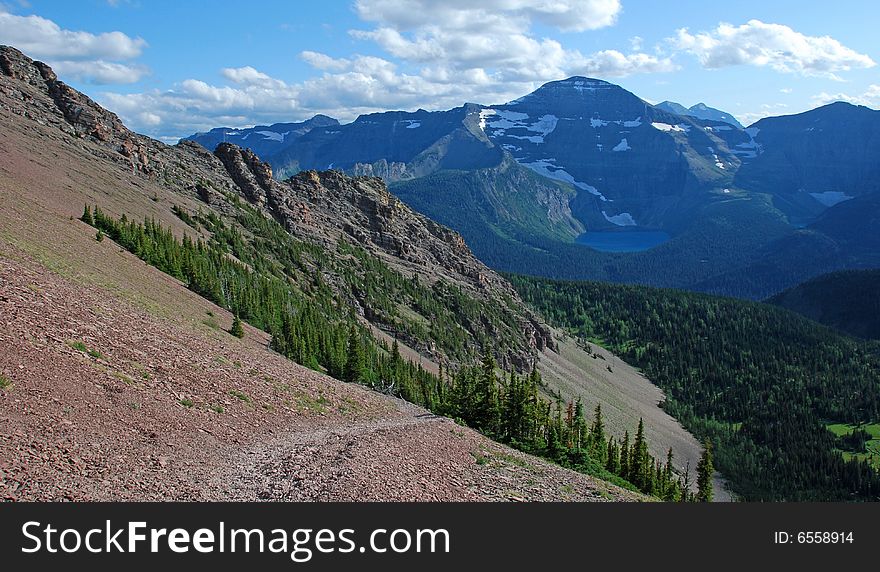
(842, 237)
(814, 160)
(845, 300)
(264, 140)
(736, 210)
(700, 111)
(737, 373)
(125, 335)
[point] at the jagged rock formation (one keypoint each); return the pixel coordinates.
(317, 207)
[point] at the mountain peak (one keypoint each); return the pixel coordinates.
(700, 111)
(571, 94)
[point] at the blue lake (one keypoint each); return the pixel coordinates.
(623, 241)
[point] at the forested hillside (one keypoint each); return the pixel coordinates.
(760, 382)
(315, 329)
(848, 301)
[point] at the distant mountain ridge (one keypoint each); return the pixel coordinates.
(264, 140)
(700, 111)
(603, 159)
(847, 301)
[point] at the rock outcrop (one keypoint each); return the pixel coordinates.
(321, 208)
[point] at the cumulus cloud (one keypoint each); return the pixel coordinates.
(567, 15)
(869, 98)
(99, 71)
(83, 56)
(434, 55)
(494, 38)
(777, 46)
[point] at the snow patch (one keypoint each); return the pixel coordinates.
(667, 127)
(484, 113)
(622, 219)
(718, 162)
(271, 135)
(548, 169)
(502, 120)
(622, 146)
(596, 122)
(412, 123)
(751, 149)
(831, 198)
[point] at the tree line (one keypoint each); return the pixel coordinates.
(314, 327)
(761, 382)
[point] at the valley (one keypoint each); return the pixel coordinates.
(521, 181)
(191, 400)
(367, 305)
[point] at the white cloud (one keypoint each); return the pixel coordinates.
(611, 63)
(869, 98)
(567, 15)
(95, 58)
(777, 46)
(248, 76)
(99, 71)
(494, 38)
(433, 55)
(323, 61)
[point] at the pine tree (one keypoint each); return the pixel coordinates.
(624, 457)
(668, 491)
(87, 216)
(612, 461)
(638, 461)
(237, 330)
(705, 469)
(354, 365)
(580, 432)
(486, 407)
(598, 449)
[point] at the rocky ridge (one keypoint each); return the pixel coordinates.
(321, 208)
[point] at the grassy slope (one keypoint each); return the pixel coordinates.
(38, 206)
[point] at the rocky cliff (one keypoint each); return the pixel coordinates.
(318, 208)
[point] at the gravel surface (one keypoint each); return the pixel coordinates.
(111, 402)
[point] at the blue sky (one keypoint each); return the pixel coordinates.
(172, 68)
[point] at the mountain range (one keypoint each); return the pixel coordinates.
(153, 295)
(522, 181)
(700, 111)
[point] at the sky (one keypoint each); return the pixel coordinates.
(172, 68)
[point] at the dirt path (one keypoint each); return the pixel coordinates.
(411, 456)
(111, 401)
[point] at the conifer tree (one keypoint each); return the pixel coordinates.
(87, 216)
(612, 461)
(638, 461)
(237, 330)
(624, 457)
(598, 449)
(581, 434)
(486, 407)
(354, 365)
(705, 468)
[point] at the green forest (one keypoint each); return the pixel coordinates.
(761, 382)
(314, 327)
